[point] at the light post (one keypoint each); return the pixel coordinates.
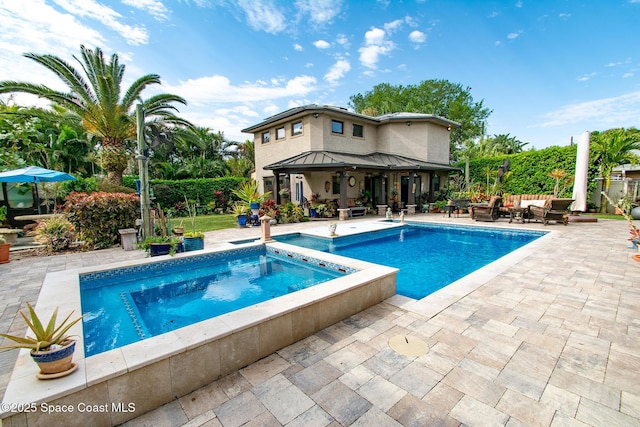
(143, 165)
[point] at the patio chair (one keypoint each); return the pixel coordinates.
(555, 210)
(489, 212)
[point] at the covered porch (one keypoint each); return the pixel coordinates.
(355, 182)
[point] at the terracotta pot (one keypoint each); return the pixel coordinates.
(4, 253)
(55, 361)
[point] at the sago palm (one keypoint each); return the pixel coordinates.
(95, 96)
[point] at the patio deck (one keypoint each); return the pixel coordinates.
(548, 336)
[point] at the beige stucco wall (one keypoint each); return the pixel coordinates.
(421, 140)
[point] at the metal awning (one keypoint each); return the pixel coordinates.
(329, 160)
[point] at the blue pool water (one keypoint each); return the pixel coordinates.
(126, 305)
(429, 256)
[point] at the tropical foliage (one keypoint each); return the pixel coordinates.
(56, 233)
(98, 216)
(439, 97)
(95, 97)
(612, 148)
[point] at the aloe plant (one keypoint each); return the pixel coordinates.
(45, 337)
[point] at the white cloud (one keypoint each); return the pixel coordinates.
(321, 12)
(564, 16)
(586, 77)
(627, 75)
(108, 17)
(343, 41)
(417, 36)
(512, 36)
(375, 46)
(375, 36)
(338, 70)
(393, 25)
(616, 111)
(219, 89)
(321, 44)
(297, 47)
(263, 16)
(155, 8)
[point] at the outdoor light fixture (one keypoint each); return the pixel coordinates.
(316, 115)
(449, 128)
(408, 123)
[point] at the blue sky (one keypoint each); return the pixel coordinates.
(549, 70)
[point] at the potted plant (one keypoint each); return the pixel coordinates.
(178, 230)
(161, 244)
(51, 348)
(240, 211)
(249, 194)
(4, 250)
(284, 194)
(193, 240)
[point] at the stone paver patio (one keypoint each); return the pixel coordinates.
(552, 340)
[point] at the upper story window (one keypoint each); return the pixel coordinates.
(280, 133)
(337, 127)
(358, 130)
(296, 128)
(266, 137)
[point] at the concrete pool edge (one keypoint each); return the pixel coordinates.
(152, 372)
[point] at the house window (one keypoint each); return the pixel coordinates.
(266, 136)
(358, 130)
(280, 133)
(296, 128)
(337, 126)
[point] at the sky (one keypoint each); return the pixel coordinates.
(548, 70)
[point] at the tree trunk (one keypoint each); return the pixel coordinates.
(114, 177)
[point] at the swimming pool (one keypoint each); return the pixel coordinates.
(429, 256)
(126, 305)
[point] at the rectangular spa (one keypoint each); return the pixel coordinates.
(146, 374)
(125, 305)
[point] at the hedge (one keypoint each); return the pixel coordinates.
(529, 171)
(202, 191)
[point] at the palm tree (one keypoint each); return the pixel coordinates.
(95, 96)
(614, 147)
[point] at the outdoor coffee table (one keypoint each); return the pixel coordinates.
(517, 214)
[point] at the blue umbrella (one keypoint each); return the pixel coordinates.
(35, 174)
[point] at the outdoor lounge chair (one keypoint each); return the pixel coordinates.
(555, 210)
(490, 212)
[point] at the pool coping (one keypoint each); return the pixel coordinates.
(99, 378)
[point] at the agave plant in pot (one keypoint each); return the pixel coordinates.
(51, 348)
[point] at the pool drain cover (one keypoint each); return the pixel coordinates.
(408, 346)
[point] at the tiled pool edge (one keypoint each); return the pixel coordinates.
(193, 356)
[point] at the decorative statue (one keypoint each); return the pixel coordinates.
(389, 213)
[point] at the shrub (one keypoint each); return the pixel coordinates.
(80, 185)
(56, 233)
(99, 216)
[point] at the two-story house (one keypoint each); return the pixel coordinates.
(395, 159)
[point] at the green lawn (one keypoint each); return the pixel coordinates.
(207, 222)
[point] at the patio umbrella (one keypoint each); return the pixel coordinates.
(35, 174)
(580, 181)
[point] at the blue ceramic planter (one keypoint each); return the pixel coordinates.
(193, 244)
